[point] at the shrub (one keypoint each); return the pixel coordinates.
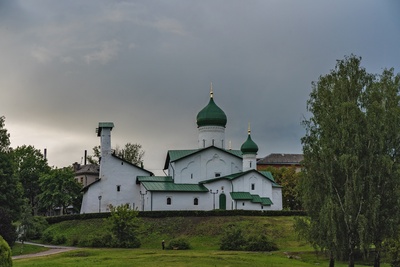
(124, 225)
(99, 241)
(232, 239)
(179, 244)
(5, 253)
(59, 239)
(47, 236)
(260, 243)
(36, 228)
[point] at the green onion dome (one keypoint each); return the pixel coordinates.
(249, 147)
(211, 115)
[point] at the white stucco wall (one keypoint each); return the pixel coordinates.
(203, 166)
(211, 136)
(114, 173)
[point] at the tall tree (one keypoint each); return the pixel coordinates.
(288, 178)
(10, 188)
(132, 153)
(342, 161)
(30, 165)
(59, 189)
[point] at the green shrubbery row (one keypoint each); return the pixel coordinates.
(180, 213)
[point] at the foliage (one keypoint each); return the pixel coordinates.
(124, 225)
(5, 254)
(30, 165)
(59, 189)
(132, 153)
(288, 178)
(233, 239)
(7, 229)
(10, 188)
(178, 244)
(351, 183)
(260, 243)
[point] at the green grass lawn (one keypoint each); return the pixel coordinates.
(19, 249)
(203, 234)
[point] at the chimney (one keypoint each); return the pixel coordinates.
(85, 157)
(45, 153)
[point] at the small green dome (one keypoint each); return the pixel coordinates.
(249, 147)
(211, 115)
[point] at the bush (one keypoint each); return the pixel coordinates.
(59, 239)
(232, 239)
(47, 237)
(179, 244)
(260, 243)
(124, 225)
(7, 230)
(5, 253)
(36, 228)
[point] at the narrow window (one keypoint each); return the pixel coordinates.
(118, 188)
(195, 201)
(217, 174)
(191, 176)
(251, 164)
(81, 180)
(222, 143)
(253, 186)
(169, 201)
(213, 142)
(204, 143)
(242, 203)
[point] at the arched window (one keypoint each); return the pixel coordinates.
(195, 201)
(169, 201)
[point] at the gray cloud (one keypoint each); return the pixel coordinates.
(147, 66)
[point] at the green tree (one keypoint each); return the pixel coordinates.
(132, 153)
(124, 225)
(10, 188)
(59, 189)
(288, 178)
(7, 229)
(351, 158)
(30, 165)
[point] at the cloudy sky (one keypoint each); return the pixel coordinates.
(147, 67)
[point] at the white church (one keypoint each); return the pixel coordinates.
(204, 178)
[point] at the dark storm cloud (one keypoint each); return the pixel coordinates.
(147, 67)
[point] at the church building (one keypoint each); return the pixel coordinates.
(203, 178)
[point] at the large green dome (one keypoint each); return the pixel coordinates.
(211, 115)
(249, 147)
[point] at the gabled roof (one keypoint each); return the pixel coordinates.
(143, 169)
(282, 159)
(172, 187)
(265, 201)
(88, 169)
(175, 155)
(233, 176)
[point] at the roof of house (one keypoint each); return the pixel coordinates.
(88, 169)
(141, 179)
(265, 201)
(174, 155)
(284, 159)
(233, 176)
(172, 187)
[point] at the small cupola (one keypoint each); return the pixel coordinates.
(249, 147)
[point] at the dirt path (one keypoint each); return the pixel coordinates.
(52, 250)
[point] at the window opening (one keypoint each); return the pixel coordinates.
(253, 186)
(118, 188)
(195, 201)
(169, 201)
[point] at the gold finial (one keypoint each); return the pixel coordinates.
(248, 129)
(211, 91)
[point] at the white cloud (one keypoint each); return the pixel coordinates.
(107, 52)
(169, 25)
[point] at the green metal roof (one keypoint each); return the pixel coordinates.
(211, 115)
(256, 199)
(106, 125)
(171, 187)
(154, 179)
(266, 201)
(178, 154)
(249, 147)
(267, 174)
(241, 196)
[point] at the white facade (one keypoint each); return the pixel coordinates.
(208, 177)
